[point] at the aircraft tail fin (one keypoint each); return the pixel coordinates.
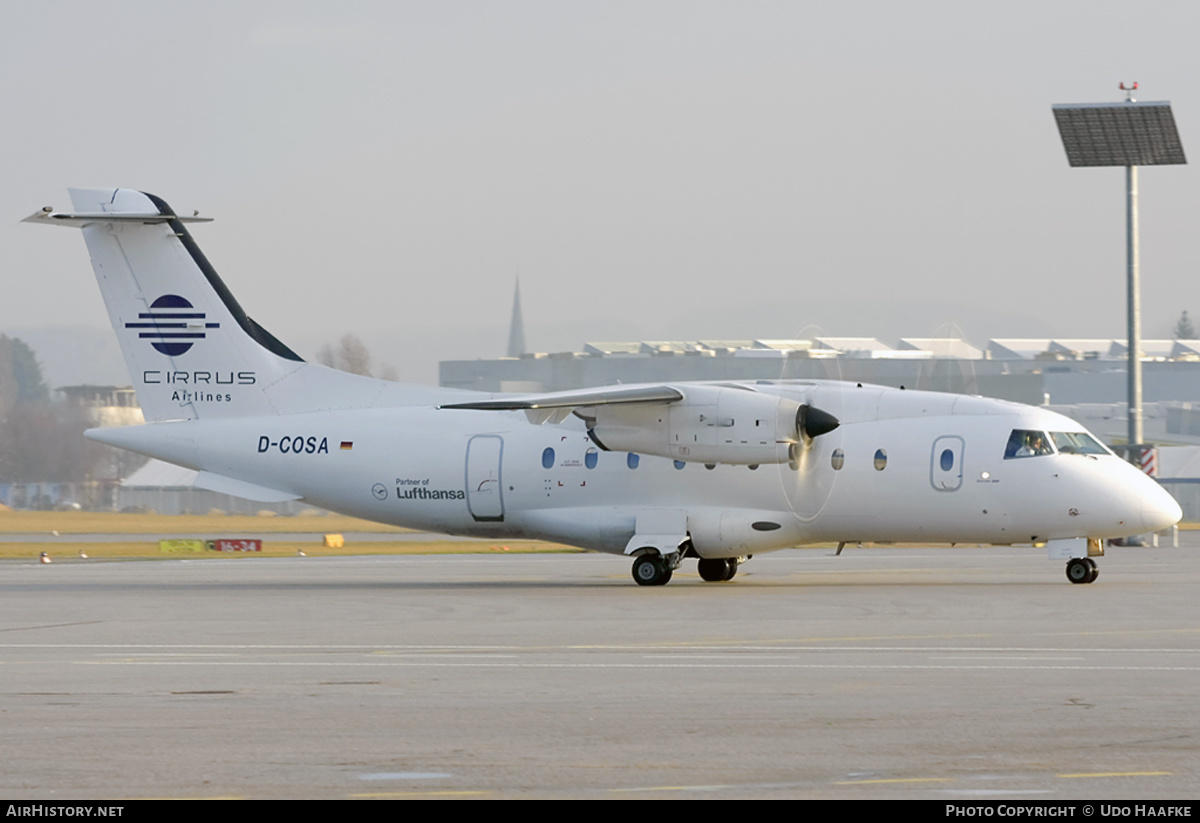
(191, 350)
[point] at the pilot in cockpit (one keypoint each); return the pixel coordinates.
(1035, 444)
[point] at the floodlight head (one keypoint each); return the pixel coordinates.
(1119, 134)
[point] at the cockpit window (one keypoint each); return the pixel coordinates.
(1027, 443)
(1077, 443)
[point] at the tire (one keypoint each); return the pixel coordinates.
(1081, 570)
(733, 567)
(714, 570)
(648, 570)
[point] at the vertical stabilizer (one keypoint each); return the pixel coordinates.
(191, 350)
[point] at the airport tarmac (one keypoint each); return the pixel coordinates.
(951, 674)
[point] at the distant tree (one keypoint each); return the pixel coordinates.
(45, 442)
(20, 374)
(39, 440)
(1184, 329)
(31, 387)
(351, 354)
(8, 382)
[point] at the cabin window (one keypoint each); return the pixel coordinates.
(946, 461)
(548, 458)
(679, 464)
(631, 460)
(880, 460)
(589, 458)
(1027, 443)
(837, 459)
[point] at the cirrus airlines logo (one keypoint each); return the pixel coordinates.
(172, 325)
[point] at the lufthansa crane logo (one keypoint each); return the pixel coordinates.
(172, 325)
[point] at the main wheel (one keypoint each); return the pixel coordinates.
(733, 567)
(649, 570)
(716, 569)
(1082, 570)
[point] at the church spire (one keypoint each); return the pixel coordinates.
(516, 331)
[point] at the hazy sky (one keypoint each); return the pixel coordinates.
(653, 170)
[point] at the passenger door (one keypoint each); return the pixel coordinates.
(485, 495)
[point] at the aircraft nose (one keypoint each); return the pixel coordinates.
(1159, 509)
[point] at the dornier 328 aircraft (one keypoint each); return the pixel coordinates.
(717, 471)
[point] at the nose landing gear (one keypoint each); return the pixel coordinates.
(1082, 570)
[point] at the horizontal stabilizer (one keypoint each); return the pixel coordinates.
(50, 217)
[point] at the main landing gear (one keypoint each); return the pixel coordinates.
(717, 569)
(652, 569)
(1082, 570)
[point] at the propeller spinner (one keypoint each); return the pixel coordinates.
(812, 422)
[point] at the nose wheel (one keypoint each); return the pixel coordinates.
(1082, 570)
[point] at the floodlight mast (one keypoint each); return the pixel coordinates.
(1136, 432)
(1128, 134)
(1133, 309)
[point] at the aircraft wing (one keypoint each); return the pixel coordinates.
(708, 423)
(554, 407)
(576, 399)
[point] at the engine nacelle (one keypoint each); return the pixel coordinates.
(712, 424)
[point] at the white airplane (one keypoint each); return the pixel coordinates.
(718, 471)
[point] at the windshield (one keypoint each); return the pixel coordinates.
(1027, 443)
(1077, 443)
(1033, 443)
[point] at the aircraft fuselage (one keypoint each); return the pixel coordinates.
(902, 466)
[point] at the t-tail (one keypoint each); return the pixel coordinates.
(192, 352)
